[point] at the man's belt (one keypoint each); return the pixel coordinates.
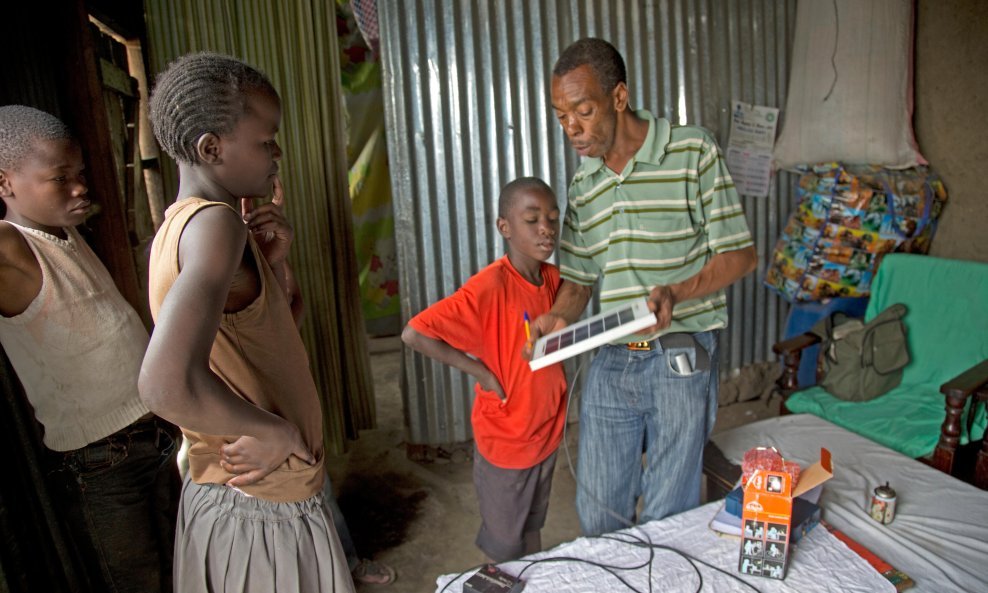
(677, 340)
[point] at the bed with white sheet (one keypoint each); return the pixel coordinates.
(939, 536)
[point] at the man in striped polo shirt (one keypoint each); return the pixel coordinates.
(652, 213)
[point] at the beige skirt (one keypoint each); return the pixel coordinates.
(228, 542)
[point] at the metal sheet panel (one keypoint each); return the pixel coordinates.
(467, 110)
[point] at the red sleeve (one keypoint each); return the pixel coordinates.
(456, 319)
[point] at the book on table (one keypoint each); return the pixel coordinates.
(806, 514)
(901, 580)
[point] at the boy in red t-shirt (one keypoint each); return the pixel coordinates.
(518, 415)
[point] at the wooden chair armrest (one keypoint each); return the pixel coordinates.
(973, 381)
(791, 351)
(968, 382)
(795, 344)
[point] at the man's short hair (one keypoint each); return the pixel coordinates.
(603, 59)
(200, 93)
(511, 192)
(20, 126)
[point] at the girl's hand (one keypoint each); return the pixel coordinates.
(250, 459)
(268, 224)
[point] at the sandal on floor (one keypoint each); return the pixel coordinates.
(373, 573)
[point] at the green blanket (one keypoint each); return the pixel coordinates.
(948, 333)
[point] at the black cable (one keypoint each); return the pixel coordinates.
(611, 569)
(640, 542)
(833, 56)
(691, 559)
(651, 551)
(652, 547)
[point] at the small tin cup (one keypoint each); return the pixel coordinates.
(882, 507)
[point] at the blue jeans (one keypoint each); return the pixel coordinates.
(119, 496)
(339, 521)
(634, 402)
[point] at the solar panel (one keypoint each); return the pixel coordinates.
(589, 333)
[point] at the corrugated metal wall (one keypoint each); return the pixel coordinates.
(467, 108)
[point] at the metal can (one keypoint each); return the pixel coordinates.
(883, 504)
(683, 366)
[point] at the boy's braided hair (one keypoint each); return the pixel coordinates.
(20, 126)
(602, 57)
(511, 191)
(200, 93)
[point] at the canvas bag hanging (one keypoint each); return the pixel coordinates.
(860, 361)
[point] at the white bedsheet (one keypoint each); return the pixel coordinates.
(820, 563)
(940, 533)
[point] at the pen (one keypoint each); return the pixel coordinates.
(528, 330)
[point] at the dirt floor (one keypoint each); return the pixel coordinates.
(421, 518)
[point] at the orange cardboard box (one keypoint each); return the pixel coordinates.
(766, 516)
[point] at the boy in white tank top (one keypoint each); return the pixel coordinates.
(77, 348)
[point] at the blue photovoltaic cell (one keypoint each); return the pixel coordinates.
(552, 345)
(582, 332)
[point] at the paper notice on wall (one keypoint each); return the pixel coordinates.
(749, 152)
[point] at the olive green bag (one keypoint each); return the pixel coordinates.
(860, 361)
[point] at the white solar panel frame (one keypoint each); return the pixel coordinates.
(641, 318)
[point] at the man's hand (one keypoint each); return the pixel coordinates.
(250, 459)
(661, 300)
(268, 224)
(543, 324)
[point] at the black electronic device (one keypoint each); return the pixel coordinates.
(491, 579)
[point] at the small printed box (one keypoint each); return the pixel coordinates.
(767, 517)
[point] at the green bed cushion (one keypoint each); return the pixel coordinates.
(947, 332)
(948, 314)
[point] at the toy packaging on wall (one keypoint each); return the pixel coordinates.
(847, 218)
